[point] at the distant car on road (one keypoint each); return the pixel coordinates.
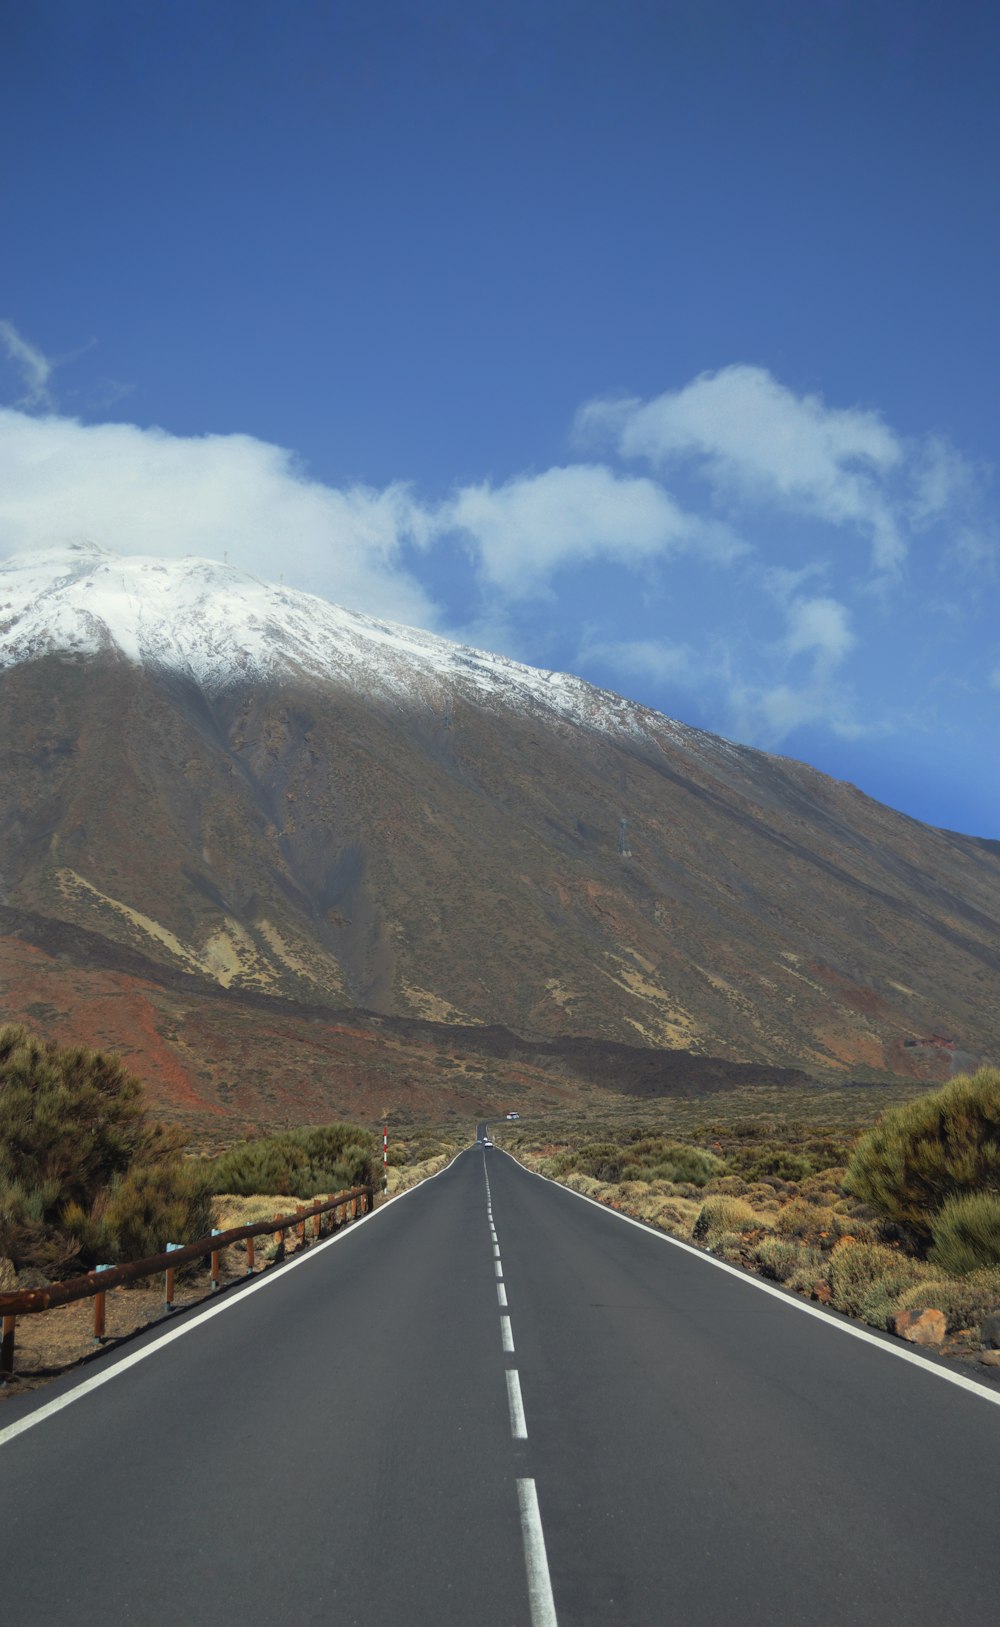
(513, 1115)
(487, 1142)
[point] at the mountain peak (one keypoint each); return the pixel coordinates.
(219, 626)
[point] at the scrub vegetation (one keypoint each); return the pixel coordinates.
(872, 1219)
(85, 1178)
(297, 1163)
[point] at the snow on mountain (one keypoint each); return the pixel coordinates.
(220, 626)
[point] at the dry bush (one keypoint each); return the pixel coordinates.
(724, 1214)
(965, 1303)
(822, 1228)
(777, 1257)
(730, 1186)
(826, 1187)
(401, 1178)
(671, 1213)
(730, 1246)
(866, 1279)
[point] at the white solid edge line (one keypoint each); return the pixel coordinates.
(518, 1426)
(49, 1408)
(793, 1304)
(506, 1336)
(501, 1293)
(536, 1560)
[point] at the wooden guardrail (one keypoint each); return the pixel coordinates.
(95, 1284)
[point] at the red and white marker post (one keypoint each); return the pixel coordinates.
(385, 1159)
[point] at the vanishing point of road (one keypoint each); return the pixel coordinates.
(493, 1404)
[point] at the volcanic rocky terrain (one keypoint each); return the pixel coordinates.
(294, 860)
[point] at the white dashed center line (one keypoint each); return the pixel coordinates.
(518, 1427)
(498, 1268)
(501, 1293)
(543, 1606)
(506, 1335)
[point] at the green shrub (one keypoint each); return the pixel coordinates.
(84, 1177)
(298, 1163)
(773, 1162)
(965, 1303)
(966, 1232)
(650, 1158)
(154, 1204)
(943, 1145)
(655, 1159)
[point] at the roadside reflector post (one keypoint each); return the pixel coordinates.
(100, 1308)
(215, 1262)
(168, 1278)
(7, 1349)
(385, 1158)
(250, 1256)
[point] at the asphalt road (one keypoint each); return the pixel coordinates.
(575, 1423)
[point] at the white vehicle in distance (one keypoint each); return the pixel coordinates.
(487, 1142)
(513, 1115)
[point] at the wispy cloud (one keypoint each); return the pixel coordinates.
(32, 366)
(654, 658)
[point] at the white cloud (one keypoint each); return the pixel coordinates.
(941, 480)
(144, 491)
(522, 532)
(651, 658)
(758, 442)
(819, 627)
(768, 716)
(35, 369)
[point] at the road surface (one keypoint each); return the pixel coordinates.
(573, 1422)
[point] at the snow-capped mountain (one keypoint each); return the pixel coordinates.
(244, 788)
(221, 627)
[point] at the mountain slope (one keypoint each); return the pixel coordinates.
(248, 785)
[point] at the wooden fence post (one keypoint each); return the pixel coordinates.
(7, 1349)
(215, 1263)
(100, 1308)
(168, 1278)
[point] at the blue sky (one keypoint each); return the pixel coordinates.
(653, 342)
